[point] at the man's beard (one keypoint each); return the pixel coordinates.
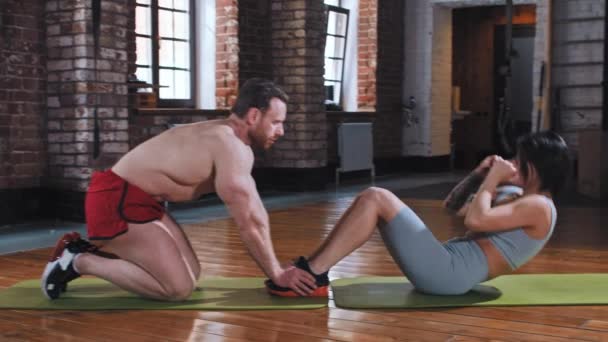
(258, 141)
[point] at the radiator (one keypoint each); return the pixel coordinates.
(355, 148)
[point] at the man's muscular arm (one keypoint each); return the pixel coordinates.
(235, 186)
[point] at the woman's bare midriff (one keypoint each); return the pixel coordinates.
(497, 265)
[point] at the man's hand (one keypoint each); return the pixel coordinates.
(302, 282)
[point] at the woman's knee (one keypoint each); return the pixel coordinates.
(385, 202)
(374, 195)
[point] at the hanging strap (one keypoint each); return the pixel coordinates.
(96, 28)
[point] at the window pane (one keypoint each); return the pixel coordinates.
(182, 85)
(183, 5)
(144, 50)
(166, 78)
(332, 2)
(332, 90)
(142, 20)
(165, 23)
(333, 69)
(336, 23)
(182, 55)
(178, 83)
(144, 74)
(334, 47)
(165, 3)
(143, 2)
(165, 55)
(182, 25)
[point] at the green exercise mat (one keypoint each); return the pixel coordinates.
(508, 290)
(96, 294)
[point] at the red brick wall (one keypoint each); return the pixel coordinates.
(367, 59)
(22, 94)
(227, 52)
(387, 125)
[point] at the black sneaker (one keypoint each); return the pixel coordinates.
(321, 280)
(60, 270)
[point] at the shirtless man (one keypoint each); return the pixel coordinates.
(151, 255)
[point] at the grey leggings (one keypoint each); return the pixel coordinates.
(451, 268)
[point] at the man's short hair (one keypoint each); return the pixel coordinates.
(257, 93)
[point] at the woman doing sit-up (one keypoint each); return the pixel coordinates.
(501, 238)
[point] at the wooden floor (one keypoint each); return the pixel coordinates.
(578, 245)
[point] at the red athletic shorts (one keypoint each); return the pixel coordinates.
(111, 203)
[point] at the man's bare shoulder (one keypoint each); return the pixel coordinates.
(225, 137)
(217, 131)
(206, 127)
(227, 145)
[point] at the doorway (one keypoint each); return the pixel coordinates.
(522, 62)
(478, 85)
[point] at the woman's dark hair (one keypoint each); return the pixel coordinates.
(257, 93)
(548, 153)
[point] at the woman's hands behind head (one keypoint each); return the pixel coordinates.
(503, 171)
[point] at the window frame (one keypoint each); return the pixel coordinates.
(345, 11)
(155, 66)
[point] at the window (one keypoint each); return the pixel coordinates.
(165, 49)
(335, 51)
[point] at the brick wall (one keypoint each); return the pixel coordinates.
(23, 157)
(255, 39)
(82, 82)
(227, 52)
(22, 94)
(577, 65)
(387, 125)
(367, 59)
(131, 46)
(298, 44)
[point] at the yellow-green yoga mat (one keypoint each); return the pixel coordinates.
(509, 290)
(96, 294)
